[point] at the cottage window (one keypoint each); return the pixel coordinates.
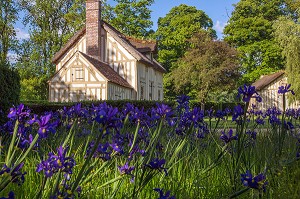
(158, 95)
(151, 85)
(142, 93)
(78, 74)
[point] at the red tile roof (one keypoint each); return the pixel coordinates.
(68, 45)
(135, 46)
(107, 71)
(143, 45)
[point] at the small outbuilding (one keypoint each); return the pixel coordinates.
(267, 87)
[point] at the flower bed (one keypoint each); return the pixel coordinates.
(105, 152)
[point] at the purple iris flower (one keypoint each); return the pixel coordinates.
(4, 170)
(33, 120)
(117, 148)
(45, 126)
(101, 117)
(285, 89)
(76, 111)
(11, 195)
(18, 112)
(210, 113)
(162, 195)
(54, 163)
(220, 114)
(102, 151)
(197, 115)
(163, 110)
(274, 120)
(252, 134)
(248, 92)
(136, 150)
(228, 137)
(260, 121)
(126, 169)
(183, 103)
(289, 125)
(157, 164)
(238, 111)
(16, 175)
(258, 182)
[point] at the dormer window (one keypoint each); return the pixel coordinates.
(78, 74)
(150, 56)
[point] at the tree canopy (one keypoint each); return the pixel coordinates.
(173, 34)
(8, 17)
(174, 30)
(207, 66)
(287, 31)
(132, 17)
(51, 24)
(250, 30)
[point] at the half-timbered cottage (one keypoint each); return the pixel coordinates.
(267, 87)
(100, 63)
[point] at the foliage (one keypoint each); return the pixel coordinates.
(39, 106)
(104, 152)
(51, 24)
(10, 88)
(173, 34)
(205, 66)
(287, 33)
(34, 88)
(250, 31)
(133, 17)
(174, 30)
(8, 16)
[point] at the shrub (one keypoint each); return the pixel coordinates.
(42, 106)
(214, 105)
(10, 88)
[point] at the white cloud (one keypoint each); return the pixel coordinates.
(20, 34)
(219, 26)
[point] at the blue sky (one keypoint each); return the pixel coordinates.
(218, 10)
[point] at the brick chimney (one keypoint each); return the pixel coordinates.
(93, 28)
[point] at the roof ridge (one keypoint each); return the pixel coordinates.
(131, 48)
(150, 41)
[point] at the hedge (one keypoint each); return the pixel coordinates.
(10, 88)
(214, 105)
(38, 107)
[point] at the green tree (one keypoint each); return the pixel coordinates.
(132, 17)
(8, 17)
(174, 30)
(250, 30)
(287, 33)
(51, 24)
(207, 66)
(173, 34)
